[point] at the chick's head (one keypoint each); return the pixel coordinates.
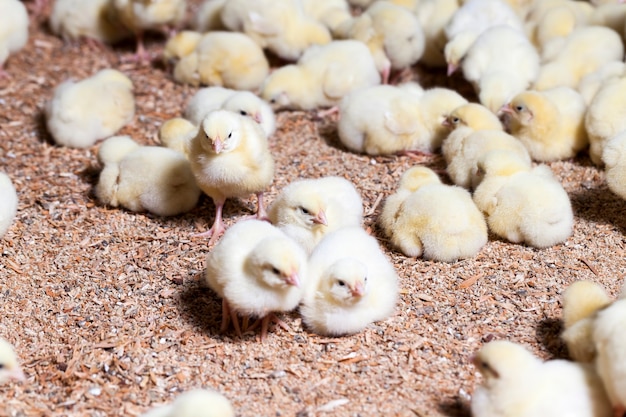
(303, 207)
(180, 45)
(345, 281)
(276, 262)
(503, 361)
(9, 368)
(522, 109)
(456, 49)
(221, 131)
(473, 115)
(246, 104)
(416, 177)
(277, 87)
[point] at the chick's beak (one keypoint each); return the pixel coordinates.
(257, 117)
(506, 109)
(452, 69)
(358, 290)
(218, 145)
(446, 123)
(320, 218)
(293, 279)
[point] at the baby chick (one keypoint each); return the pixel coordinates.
(307, 210)
(322, 76)
(177, 133)
(227, 59)
(614, 158)
(9, 368)
(13, 29)
(472, 115)
(179, 46)
(438, 221)
(523, 204)
(384, 120)
(230, 158)
(549, 123)
(282, 27)
(8, 203)
(257, 270)
(145, 178)
(350, 284)
(195, 403)
(518, 384)
(82, 112)
(591, 83)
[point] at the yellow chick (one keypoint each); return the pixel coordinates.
(384, 120)
(591, 83)
(75, 19)
(82, 112)
(180, 45)
(614, 158)
(195, 403)
(581, 300)
(9, 367)
(518, 384)
(177, 133)
(230, 158)
(350, 284)
(472, 115)
(307, 210)
(142, 15)
(549, 123)
(331, 13)
(523, 204)
(145, 178)
(13, 29)
(433, 16)
(8, 203)
(257, 270)
(226, 59)
(430, 219)
(604, 118)
(282, 27)
(554, 21)
(322, 76)
(209, 16)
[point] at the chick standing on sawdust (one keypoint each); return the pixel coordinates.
(8, 203)
(9, 368)
(195, 403)
(230, 158)
(257, 270)
(350, 284)
(13, 29)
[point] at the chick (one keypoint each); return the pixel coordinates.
(145, 178)
(518, 384)
(204, 101)
(428, 218)
(331, 13)
(322, 76)
(554, 21)
(350, 284)
(523, 204)
(307, 210)
(13, 29)
(9, 367)
(195, 403)
(180, 45)
(177, 133)
(474, 116)
(8, 203)
(549, 123)
(433, 16)
(226, 59)
(281, 27)
(209, 16)
(591, 83)
(82, 112)
(581, 300)
(230, 158)
(257, 270)
(614, 159)
(383, 120)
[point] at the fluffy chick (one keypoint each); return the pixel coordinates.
(549, 123)
(581, 300)
(230, 158)
(614, 158)
(75, 19)
(179, 46)
(8, 203)
(307, 210)
(322, 76)
(177, 133)
(13, 29)
(9, 367)
(350, 284)
(383, 120)
(195, 403)
(428, 218)
(523, 204)
(591, 83)
(282, 27)
(257, 270)
(433, 16)
(331, 13)
(472, 115)
(82, 112)
(518, 384)
(226, 59)
(145, 178)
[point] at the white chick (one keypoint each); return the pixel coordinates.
(75, 19)
(604, 118)
(433, 16)
(226, 59)
(204, 101)
(549, 123)
(383, 120)
(331, 13)
(230, 158)
(350, 284)
(282, 27)
(518, 384)
(82, 112)
(523, 204)
(177, 133)
(195, 403)
(322, 76)
(8, 203)
(145, 178)
(13, 29)
(257, 270)
(9, 367)
(430, 219)
(307, 210)
(614, 158)
(591, 83)
(209, 16)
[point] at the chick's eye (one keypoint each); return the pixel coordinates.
(243, 112)
(303, 210)
(455, 120)
(230, 134)
(519, 108)
(341, 283)
(275, 271)
(273, 101)
(484, 365)
(1, 366)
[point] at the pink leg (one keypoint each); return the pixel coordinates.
(265, 322)
(415, 154)
(261, 213)
(385, 74)
(324, 113)
(218, 226)
(141, 55)
(235, 320)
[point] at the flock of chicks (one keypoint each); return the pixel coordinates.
(539, 101)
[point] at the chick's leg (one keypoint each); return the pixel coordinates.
(228, 314)
(218, 226)
(261, 213)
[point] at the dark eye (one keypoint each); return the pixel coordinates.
(341, 283)
(303, 210)
(230, 134)
(243, 112)
(455, 120)
(519, 108)
(272, 101)
(365, 279)
(275, 271)
(484, 365)
(1, 365)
